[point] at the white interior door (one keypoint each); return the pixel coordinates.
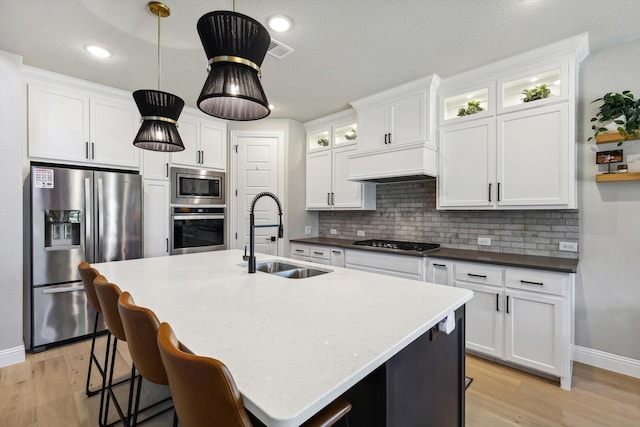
(255, 171)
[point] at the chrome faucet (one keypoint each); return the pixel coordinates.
(253, 226)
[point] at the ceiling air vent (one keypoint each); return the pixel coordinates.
(278, 50)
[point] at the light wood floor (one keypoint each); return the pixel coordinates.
(48, 390)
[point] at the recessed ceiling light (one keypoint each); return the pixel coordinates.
(98, 51)
(533, 79)
(279, 23)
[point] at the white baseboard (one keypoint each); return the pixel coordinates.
(11, 356)
(611, 362)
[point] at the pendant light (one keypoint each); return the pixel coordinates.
(235, 45)
(159, 110)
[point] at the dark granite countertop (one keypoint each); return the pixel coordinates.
(563, 265)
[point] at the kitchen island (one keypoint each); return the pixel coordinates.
(294, 345)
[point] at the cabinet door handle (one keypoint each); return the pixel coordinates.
(86, 150)
(497, 302)
(482, 276)
(167, 169)
(386, 140)
(507, 304)
(526, 282)
(93, 151)
(489, 191)
(440, 265)
(498, 192)
(333, 199)
(167, 245)
(202, 157)
(329, 199)
(389, 137)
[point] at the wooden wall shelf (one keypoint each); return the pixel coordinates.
(605, 138)
(615, 177)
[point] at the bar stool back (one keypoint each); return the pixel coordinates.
(204, 392)
(108, 294)
(141, 328)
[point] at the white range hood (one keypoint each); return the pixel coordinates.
(396, 134)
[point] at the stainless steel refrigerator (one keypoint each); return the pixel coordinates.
(76, 215)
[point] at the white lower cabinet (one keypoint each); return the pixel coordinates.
(326, 255)
(156, 218)
(409, 267)
(440, 272)
(521, 316)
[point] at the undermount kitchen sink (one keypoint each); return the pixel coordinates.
(288, 270)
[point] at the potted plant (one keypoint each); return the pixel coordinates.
(537, 92)
(619, 112)
(351, 135)
(323, 142)
(473, 107)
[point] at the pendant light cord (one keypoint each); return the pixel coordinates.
(159, 50)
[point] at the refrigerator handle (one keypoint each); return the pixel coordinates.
(100, 219)
(88, 226)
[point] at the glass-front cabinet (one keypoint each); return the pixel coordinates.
(532, 89)
(467, 104)
(340, 131)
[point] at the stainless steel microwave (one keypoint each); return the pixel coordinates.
(197, 187)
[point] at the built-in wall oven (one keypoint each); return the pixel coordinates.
(197, 229)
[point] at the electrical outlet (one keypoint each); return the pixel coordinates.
(568, 246)
(484, 241)
(360, 233)
(333, 231)
(307, 229)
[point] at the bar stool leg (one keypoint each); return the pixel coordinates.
(104, 379)
(94, 360)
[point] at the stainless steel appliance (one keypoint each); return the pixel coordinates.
(394, 244)
(197, 229)
(197, 187)
(76, 214)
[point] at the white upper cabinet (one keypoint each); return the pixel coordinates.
(396, 133)
(329, 142)
(68, 123)
(204, 139)
(507, 136)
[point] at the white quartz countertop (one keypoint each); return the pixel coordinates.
(292, 345)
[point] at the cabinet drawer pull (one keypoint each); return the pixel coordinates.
(336, 252)
(526, 282)
(497, 302)
(440, 265)
(299, 250)
(482, 276)
(318, 253)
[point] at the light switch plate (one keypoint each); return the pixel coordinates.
(333, 231)
(484, 241)
(360, 233)
(307, 229)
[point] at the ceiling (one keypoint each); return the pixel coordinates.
(344, 49)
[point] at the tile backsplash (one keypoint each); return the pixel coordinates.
(407, 211)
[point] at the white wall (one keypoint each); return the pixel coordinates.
(608, 283)
(11, 343)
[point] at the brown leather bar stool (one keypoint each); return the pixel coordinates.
(205, 394)
(141, 328)
(108, 294)
(88, 275)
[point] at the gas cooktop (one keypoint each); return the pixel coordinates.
(394, 244)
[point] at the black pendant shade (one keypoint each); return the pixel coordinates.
(160, 112)
(235, 45)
